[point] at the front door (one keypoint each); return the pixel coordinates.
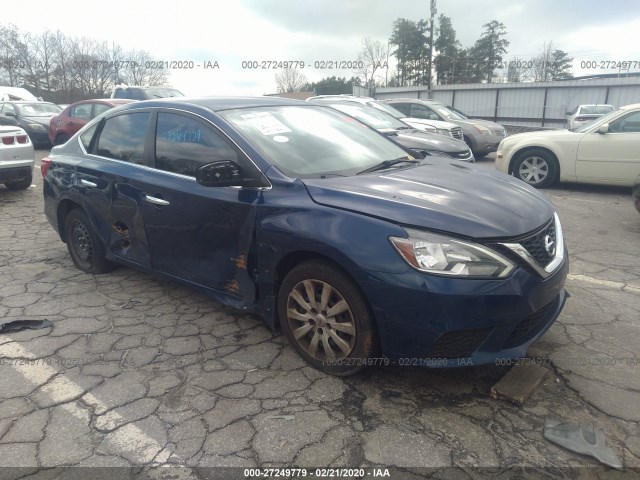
(197, 233)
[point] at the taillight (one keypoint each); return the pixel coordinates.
(7, 140)
(45, 163)
(22, 138)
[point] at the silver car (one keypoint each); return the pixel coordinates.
(482, 136)
(17, 158)
(583, 114)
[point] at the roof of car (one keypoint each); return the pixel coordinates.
(114, 101)
(221, 103)
(21, 102)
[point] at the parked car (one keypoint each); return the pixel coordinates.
(431, 126)
(418, 142)
(33, 117)
(11, 94)
(482, 136)
(62, 127)
(17, 158)
(583, 114)
(606, 151)
(135, 92)
(636, 193)
(316, 222)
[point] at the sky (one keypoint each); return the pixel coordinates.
(231, 32)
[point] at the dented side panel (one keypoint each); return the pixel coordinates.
(128, 239)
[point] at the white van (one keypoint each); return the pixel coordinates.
(9, 94)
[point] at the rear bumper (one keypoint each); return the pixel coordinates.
(15, 170)
(441, 322)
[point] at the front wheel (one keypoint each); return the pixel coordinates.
(538, 168)
(85, 247)
(326, 318)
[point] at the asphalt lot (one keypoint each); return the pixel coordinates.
(137, 370)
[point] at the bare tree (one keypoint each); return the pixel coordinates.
(290, 80)
(372, 57)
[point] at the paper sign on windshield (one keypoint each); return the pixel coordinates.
(266, 123)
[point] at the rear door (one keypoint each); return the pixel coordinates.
(199, 234)
(613, 157)
(119, 185)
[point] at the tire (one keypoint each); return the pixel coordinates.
(20, 184)
(85, 247)
(338, 351)
(538, 168)
(62, 138)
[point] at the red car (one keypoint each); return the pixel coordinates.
(62, 127)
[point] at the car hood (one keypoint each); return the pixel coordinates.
(442, 195)
(434, 123)
(41, 120)
(430, 141)
(542, 134)
(493, 126)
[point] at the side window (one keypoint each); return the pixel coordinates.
(420, 111)
(120, 93)
(184, 144)
(82, 111)
(86, 137)
(629, 123)
(122, 137)
(403, 107)
(99, 108)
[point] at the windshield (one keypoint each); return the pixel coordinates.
(38, 109)
(445, 112)
(163, 93)
(387, 108)
(374, 118)
(596, 109)
(600, 121)
(312, 141)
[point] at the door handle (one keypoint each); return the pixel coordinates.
(155, 201)
(87, 183)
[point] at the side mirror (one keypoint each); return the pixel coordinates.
(604, 128)
(224, 173)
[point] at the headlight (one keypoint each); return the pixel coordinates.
(36, 126)
(443, 255)
(483, 130)
(443, 131)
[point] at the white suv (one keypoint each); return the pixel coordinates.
(426, 125)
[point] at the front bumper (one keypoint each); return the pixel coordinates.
(39, 136)
(487, 143)
(427, 320)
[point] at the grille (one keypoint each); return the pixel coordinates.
(456, 133)
(458, 344)
(535, 245)
(532, 323)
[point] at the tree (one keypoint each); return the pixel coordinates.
(411, 52)
(372, 58)
(290, 80)
(490, 48)
(515, 71)
(560, 65)
(333, 85)
(448, 48)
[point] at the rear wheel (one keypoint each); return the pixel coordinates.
(85, 247)
(20, 184)
(326, 318)
(538, 168)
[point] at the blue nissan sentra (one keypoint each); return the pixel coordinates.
(361, 253)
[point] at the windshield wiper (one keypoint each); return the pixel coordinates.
(386, 164)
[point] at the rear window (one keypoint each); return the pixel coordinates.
(596, 109)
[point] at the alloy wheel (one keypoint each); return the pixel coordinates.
(321, 320)
(534, 170)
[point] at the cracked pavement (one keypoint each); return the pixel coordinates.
(138, 370)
